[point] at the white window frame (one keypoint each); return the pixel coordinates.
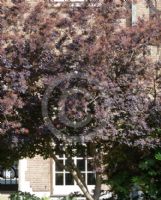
(63, 190)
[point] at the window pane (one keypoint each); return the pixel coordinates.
(91, 179)
(69, 179)
(90, 150)
(59, 178)
(81, 164)
(58, 167)
(61, 155)
(90, 165)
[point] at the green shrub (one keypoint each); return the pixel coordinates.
(23, 196)
(150, 175)
(128, 167)
(45, 198)
(71, 196)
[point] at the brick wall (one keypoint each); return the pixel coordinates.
(38, 174)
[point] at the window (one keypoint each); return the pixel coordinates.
(63, 180)
(63, 177)
(9, 178)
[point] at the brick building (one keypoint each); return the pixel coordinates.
(42, 176)
(45, 178)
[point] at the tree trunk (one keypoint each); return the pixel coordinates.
(97, 191)
(81, 186)
(98, 160)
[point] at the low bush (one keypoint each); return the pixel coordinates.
(23, 196)
(130, 168)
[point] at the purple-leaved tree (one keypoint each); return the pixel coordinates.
(74, 81)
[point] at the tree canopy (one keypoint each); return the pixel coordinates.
(74, 75)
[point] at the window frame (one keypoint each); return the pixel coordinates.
(66, 189)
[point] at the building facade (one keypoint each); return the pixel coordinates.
(45, 178)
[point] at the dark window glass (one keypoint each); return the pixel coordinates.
(90, 179)
(69, 179)
(59, 179)
(90, 165)
(89, 150)
(59, 167)
(61, 155)
(81, 164)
